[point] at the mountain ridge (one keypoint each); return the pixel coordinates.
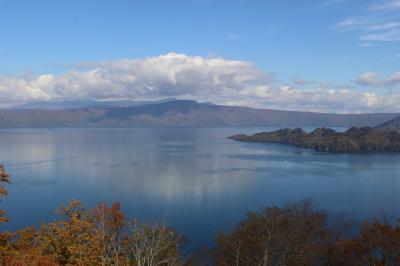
(392, 125)
(181, 113)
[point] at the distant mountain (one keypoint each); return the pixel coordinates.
(392, 125)
(54, 105)
(178, 113)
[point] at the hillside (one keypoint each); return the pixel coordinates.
(392, 125)
(354, 140)
(180, 113)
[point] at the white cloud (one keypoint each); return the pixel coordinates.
(386, 36)
(394, 79)
(379, 23)
(163, 76)
(371, 79)
(350, 23)
(332, 100)
(193, 77)
(385, 26)
(25, 88)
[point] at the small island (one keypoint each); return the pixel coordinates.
(354, 140)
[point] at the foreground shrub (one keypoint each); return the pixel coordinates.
(100, 236)
(153, 244)
(4, 179)
(378, 243)
(294, 235)
(299, 235)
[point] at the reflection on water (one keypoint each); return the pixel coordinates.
(195, 178)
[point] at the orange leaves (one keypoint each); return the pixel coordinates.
(71, 240)
(377, 244)
(4, 178)
(30, 256)
(108, 231)
(99, 236)
(74, 209)
(112, 218)
(299, 235)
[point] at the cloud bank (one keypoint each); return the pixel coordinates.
(181, 76)
(371, 79)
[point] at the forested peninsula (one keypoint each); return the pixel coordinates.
(354, 140)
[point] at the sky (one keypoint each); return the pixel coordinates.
(328, 55)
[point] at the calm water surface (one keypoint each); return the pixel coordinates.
(194, 178)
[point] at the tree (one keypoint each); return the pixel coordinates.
(378, 243)
(70, 240)
(5, 248)
(109, 232)
(4, 179)
(153, 244)
(293, 235)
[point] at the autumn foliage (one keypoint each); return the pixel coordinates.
(300, 235)
(377, 244)
(4, 179)
(99, 236)
(293, 235)
(296, 234)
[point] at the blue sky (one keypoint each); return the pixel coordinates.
(338, 44)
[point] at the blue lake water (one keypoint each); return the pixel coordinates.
(194, 178)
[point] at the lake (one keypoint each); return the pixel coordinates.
(193, 178)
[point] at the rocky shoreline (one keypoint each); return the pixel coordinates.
(354, 140)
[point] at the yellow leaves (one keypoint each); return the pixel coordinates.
(30, 256)
(74, 209)
(71, 240)
(100, 236)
